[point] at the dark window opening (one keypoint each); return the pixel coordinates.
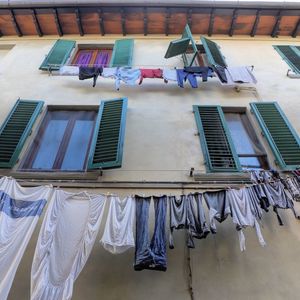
(92, 57)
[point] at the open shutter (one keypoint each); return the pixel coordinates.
(291, 54)
(217, 146)
(180, 46)
(279, 133)
(213, 53)
(177, 47)
(58, 55)
(15, 130)
(122, 53)
(108, 139)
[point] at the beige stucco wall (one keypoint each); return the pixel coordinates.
(161, 145)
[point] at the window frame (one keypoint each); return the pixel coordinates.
(32, 149)
(93, 47)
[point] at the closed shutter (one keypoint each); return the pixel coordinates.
(279, 133)
(217, 146)
(213, 53)
(122, 53)
(15, 130)
(58, 55)
(107, 145)
(291, 55)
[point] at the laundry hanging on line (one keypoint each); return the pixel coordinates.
(134, 76)
(20, 209)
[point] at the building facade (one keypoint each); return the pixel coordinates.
(163, 151)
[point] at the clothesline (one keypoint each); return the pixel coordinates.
(229, 76)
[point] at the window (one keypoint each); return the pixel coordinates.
(228, 140)
(118, 55)
(92, 56)
(229, 143)
(249, 150)
(69, 138)
(291, 54)
(62, 142)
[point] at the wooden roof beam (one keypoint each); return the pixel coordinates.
(168, 14)
(145, 21)
(233, 22)
(255, 25)
(189, 18)
(211, 22)
(36, 23)
(78, 21)
(276, 25)
(57, 22)
(15, 23)
(123, 21)
(101, 22)
(296, 30)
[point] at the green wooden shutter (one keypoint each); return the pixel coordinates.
(217, 146)
(122, 53)
(107, 145)
(180, 46)
(58, 55)
(177, 47)
(279, 133)
(213, 53)
(291, 55)
(15, 130)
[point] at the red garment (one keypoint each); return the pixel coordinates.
(150, 73)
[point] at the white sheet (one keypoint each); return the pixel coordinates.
(65, 242)
(118, 233)
(20, 209)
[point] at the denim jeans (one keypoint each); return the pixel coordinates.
(152, 255)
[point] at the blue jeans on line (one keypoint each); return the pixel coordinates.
(150, 256)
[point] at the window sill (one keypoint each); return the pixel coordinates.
(223, 178)
(90, 175)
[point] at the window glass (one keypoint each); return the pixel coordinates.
(92, 57)
(62, 142)
(249, 150)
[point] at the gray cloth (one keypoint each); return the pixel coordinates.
(255, 202)
(240, 75)
(218, 206)
(242, 215)
(187, 212)
(293, 187)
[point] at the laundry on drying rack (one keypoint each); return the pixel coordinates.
(150, 255)
(118, 232)
(293, 187)
(240, 75)
(90, 72)
(203, 72)
(64, 244)
(150, 73)
(20, 209)
(69, 70)
(169, 75)
(128, 75)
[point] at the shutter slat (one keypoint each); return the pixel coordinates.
(122, 53)
(107, 146)
(279, 133)
(13, 134)
(291, 55)
(58, 55)
(217, 146)
(213, 52)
